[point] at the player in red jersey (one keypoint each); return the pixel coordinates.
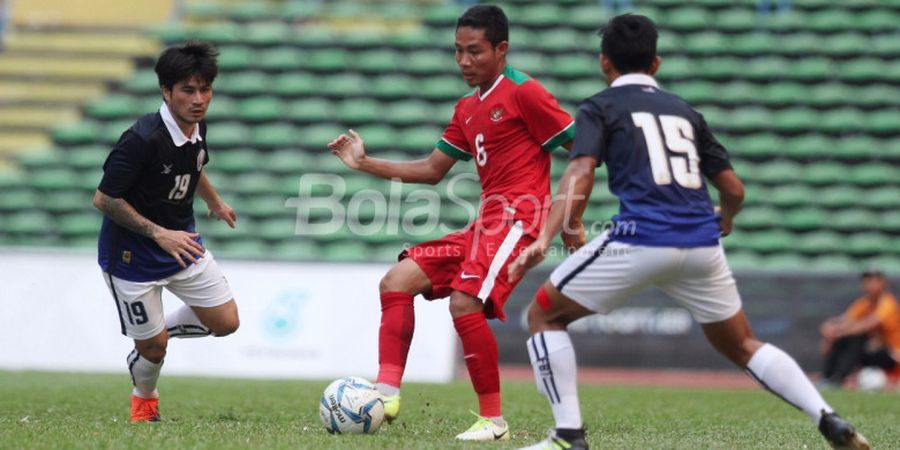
(508, 124)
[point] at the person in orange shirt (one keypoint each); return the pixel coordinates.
(867, 334)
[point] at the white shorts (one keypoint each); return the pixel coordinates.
(602, 275)
(140, 303)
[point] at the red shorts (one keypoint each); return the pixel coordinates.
(474, 261)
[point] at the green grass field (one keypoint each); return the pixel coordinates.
(52, 410)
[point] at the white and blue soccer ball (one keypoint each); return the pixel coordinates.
(871, 379)
(351, 405)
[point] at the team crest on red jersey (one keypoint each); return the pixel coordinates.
(496, 114)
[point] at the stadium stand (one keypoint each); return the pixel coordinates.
(807, 101)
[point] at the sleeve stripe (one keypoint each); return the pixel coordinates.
(452, 150)
(564, 135)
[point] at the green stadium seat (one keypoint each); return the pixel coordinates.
(830, 20)
(673, 67)
(331, 60)
(222, 107)
(261, 109)
(236, 57)
(884, 45)
(442, 15)
(64, 201)
(571, 66)
(744, 260)
(824, 173)
(281, 58)
(252, 183)
(295, 249)
(749, 118)
(808, 146)
(820, 243)
(18, 200)
(812, 68)
(83, 224)
(889, 222)
(243, 83)
(408, 112)
(237, 161)
(266, 33)
(736, 19)
(345, 85)
(540, 15)
(252, 11)
(113, 107)
(378, 137)
(852, 220)
(358, 111)
(83, 132)
(857, 147)
(53, 179)
(587, 17)
(881, 121)
(377, 61)
(529, 62)
(795, 119)
(32, 223)
(845, 44)
(722, 67)
(442, 88)
(278, 229)
(310, 110)
(842, 119)
(758, 145)
(40, 160)
(287, 162)
(274, 135)
(688, 18)
(243, 249)
(706, 43)
(758, 217)
(393, 87)
(838, 196)
(294, 84)
(786, 262)
(834, 263)
(883, 198)
(873, 174)
(318, 136)
(790, 195)
(429, 61)
(419, 139)
(143, 82)
(776, 171)
(345, 252)
(785, 93)
(804, 219)
(770, 241)
(862, 69)
(867, 243)
(560, 39)
(228, 135)
(830, 94)
(218, 32)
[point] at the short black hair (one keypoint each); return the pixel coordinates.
(489, 18)
(629, 41)
(183, 62)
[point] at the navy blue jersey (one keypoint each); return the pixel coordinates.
(157, 178)
(657, 150)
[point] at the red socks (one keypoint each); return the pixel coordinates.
(480, 350)
(398, 321)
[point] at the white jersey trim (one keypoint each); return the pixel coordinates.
(493, 86)
(563, 130)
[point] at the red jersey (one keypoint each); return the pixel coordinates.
(510, 130)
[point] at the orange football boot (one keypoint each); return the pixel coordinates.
(144, 409)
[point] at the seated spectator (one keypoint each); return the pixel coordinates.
(867, 334)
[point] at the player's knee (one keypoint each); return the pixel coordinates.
(464, 305)
(227, 326)
(154, 353)
(537, 318)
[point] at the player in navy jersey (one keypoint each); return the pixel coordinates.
(148, 240)
(659, 152)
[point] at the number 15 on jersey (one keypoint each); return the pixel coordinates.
(679, 138)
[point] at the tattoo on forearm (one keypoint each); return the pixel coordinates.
(120, 212)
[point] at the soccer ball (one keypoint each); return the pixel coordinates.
(871, 379)
(351, 405)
